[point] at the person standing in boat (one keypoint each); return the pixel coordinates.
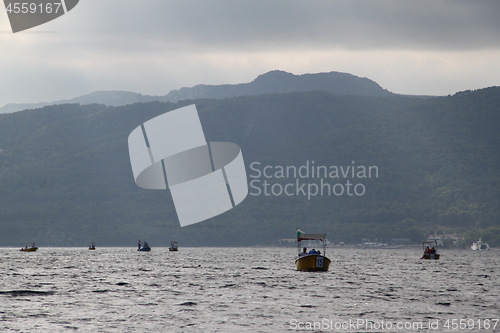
(303, 253)
(139, 244)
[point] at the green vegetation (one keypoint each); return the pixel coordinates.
(65, 176)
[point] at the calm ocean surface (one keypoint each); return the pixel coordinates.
(246, 290)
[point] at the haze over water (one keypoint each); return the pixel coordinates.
(242, 290)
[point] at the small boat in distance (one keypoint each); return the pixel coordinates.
(480, 246)
(143, 246)
(173, 246)
(32, 248)
(92, 246)
(313, 260)
(430, 253)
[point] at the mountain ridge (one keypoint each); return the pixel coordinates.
(275, 81)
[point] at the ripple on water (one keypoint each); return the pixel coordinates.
(119, 289)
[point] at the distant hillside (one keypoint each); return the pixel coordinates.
(65, 175)
(269, 83)
(283, 82)
(108, 98)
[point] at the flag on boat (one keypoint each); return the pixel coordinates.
(299, 232)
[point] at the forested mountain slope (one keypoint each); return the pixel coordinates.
(65, 175)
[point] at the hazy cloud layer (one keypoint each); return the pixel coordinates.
(395, 24)
(153, 46)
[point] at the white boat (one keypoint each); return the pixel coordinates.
(480, 246)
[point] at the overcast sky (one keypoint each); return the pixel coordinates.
(153, 46)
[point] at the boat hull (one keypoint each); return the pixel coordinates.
(144, 249)
(431, 256)
(480, 247)
(31, 249)
(173, 249)
(313, 262)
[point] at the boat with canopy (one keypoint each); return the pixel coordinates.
(430, 253)
(313, 260)
(173, 246)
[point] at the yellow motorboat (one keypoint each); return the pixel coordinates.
(312, 260)
(430, 253)
(32, 248)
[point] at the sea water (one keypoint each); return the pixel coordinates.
(247, 290)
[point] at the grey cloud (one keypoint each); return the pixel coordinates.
(386, 24)
(153, 46)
